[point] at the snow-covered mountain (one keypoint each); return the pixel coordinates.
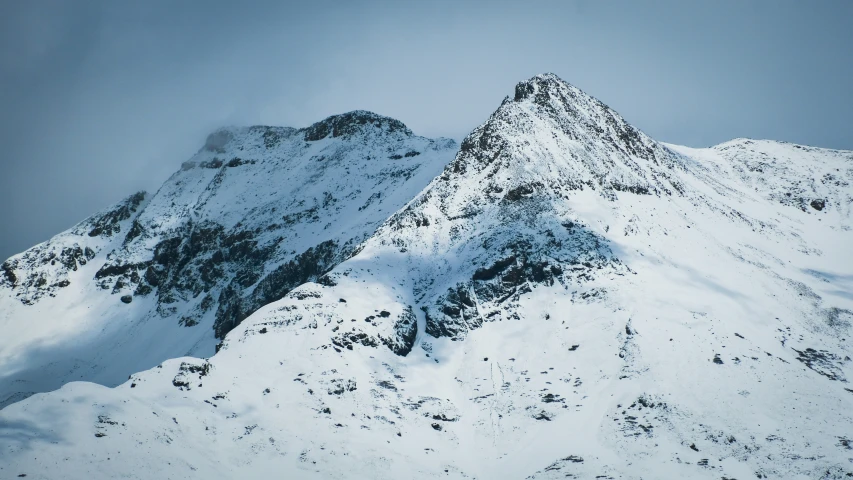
(256, 212)
(568, 298)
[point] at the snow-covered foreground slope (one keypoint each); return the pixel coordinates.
(256, 212)
(567, 299)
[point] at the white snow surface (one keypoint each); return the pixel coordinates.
(568, 299)
(257, 189)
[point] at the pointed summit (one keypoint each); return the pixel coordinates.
(581, 116)
(570, 138)
(544, 82)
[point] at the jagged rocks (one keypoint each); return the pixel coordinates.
(348, 339)
(823, 362)
(520, 234)
(234, 305)
(405, 330)
(351, 123)
(238, 268)
(571, 254)
(9, 278)
(339, 386)
(43, 270)
(108, 224)
(186, 373)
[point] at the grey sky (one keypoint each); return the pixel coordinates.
(101, 99)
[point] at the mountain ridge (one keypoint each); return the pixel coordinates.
(250, 216)
(565, 297)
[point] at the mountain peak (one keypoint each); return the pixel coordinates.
(351, 123)
(345, 125)
(561, 97)
(552, 125)
(566, 283)
(545, 83)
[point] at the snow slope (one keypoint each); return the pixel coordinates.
(256, 212)
(568, 299)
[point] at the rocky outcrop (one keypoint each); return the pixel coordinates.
(255, 213)
(45, 269)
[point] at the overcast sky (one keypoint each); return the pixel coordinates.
(101, 99)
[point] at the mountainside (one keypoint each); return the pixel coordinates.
(568, 298)
(256, 212)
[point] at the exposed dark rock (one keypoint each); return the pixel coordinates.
(214, 163)
(521, 191)
(107, 224)
(818, 204)
(405, 331)
(126, 298)
(822, 362)
(551, 398)
(9, 274)
(183, 379)
(387, 385)
(305, 267)
(339, 386)
(444, 418)
(28, 273)
(490, 273)
(348, 339)
(543, 415)
(236, 162)
(565, 256)
(349, 124)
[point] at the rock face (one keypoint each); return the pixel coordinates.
(255, 213)
(43, 270)
(236, 239)
(566, 298)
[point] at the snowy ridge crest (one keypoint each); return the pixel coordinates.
(255, 213)
(564, 298)
(570, 141)
(358, 123)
